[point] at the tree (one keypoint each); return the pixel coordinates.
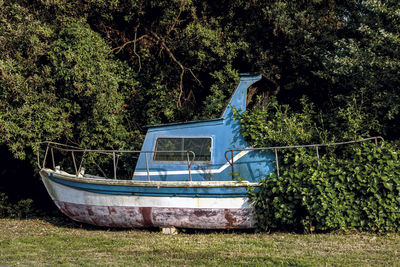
(62, 85)
(364, 64)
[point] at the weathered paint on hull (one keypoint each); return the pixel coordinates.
(150, 211)
(138, 217)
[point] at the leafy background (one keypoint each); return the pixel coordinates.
(92, 73)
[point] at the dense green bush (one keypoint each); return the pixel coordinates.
(358, 190)
(22, 209)
(353, 186)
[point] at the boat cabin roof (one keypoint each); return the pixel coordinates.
(181, 123)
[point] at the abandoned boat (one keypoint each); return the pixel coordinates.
(194, 174)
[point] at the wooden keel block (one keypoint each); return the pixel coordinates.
(170, 230)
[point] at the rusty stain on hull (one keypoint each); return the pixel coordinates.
(147, 219)
(128, 217)
(230, 219)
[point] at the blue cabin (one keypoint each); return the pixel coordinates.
(186, 176)
(208, 140)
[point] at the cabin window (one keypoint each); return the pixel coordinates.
(200, 146)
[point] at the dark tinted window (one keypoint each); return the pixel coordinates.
(200, 146)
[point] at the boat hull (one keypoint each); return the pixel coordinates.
(82, 204)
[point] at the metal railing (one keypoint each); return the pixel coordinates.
(52, 146)
(275, 148)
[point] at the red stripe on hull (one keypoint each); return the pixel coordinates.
(139, 217)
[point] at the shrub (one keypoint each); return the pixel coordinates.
(360, 191)
(22, 209)
(350, 187)
(5, 208)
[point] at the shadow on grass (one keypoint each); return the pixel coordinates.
(60, 220)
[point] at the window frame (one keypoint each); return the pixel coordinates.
(184, 137)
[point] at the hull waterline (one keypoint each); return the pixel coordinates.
(137, 211)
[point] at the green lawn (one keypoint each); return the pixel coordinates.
(51, 242)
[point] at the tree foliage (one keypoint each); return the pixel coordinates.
(93, 73)
(60, 85)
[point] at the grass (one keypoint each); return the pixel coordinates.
(45, 242)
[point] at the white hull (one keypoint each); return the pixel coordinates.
(150, 211)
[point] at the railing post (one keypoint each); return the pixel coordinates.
(189, 165)
(115, 166)
(80, 164)
(52, 159)
(376, 141)
(147, 166)
(277, 162)
(233, 169)
(73, 159)
(316, 148)
(45, 157)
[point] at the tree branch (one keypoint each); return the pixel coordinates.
(134, 48)
(177, 18)
(183, 68)
(134, 41)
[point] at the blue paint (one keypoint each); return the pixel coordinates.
(225, 135)
(220, 192)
